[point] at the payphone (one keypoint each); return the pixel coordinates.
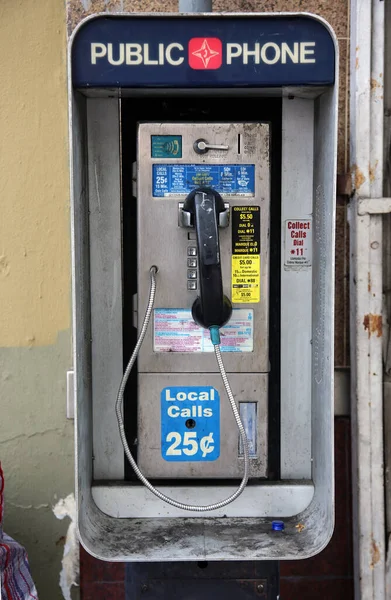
(212, 260)
(203, 174)
(222, 227)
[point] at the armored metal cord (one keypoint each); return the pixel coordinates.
(118, 409)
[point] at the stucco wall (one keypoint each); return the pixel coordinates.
(36, 439)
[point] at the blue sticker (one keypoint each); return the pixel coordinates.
(166, 146)
(178, 180)
(190, 420)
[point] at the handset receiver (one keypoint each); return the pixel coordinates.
(211, 307)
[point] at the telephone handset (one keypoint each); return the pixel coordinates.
(211, 307)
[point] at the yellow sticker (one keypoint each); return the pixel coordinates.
(246, 278)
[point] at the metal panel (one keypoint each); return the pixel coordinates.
(106, 282)
(282, 499)
(163, 243)
(322, 380)
(81, 315)
(366, 305)
(296, 292)
(374, 206)
(70, 394)
(387, 298)
(245, 387)
(188, 6)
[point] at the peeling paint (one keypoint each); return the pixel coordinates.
(373, 324)
(300, 527)
(372, 171)
(359, 177)
(375, 554)
(375, 84)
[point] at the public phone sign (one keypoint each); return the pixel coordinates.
(199, 51)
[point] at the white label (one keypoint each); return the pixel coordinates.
(175, 331)
(298, 243)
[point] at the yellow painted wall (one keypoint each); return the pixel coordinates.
(36, 439)
(34, 223)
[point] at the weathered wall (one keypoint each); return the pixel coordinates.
(35, 342)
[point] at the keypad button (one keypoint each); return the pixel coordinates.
(191, 274)
(192, 262)
(191, 285)
(192, 251)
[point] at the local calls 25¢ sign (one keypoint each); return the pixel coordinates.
(190, 423)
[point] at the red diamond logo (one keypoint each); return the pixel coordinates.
(205, 53)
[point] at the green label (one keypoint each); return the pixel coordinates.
(166, 146)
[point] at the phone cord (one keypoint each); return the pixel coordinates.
(118, 409)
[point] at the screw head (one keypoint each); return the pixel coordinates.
(144, 587)
(260, 588)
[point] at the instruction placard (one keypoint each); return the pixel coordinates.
(175, 331)
(180, 179)
(298, 242)
(190, 423)
(246, 259)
